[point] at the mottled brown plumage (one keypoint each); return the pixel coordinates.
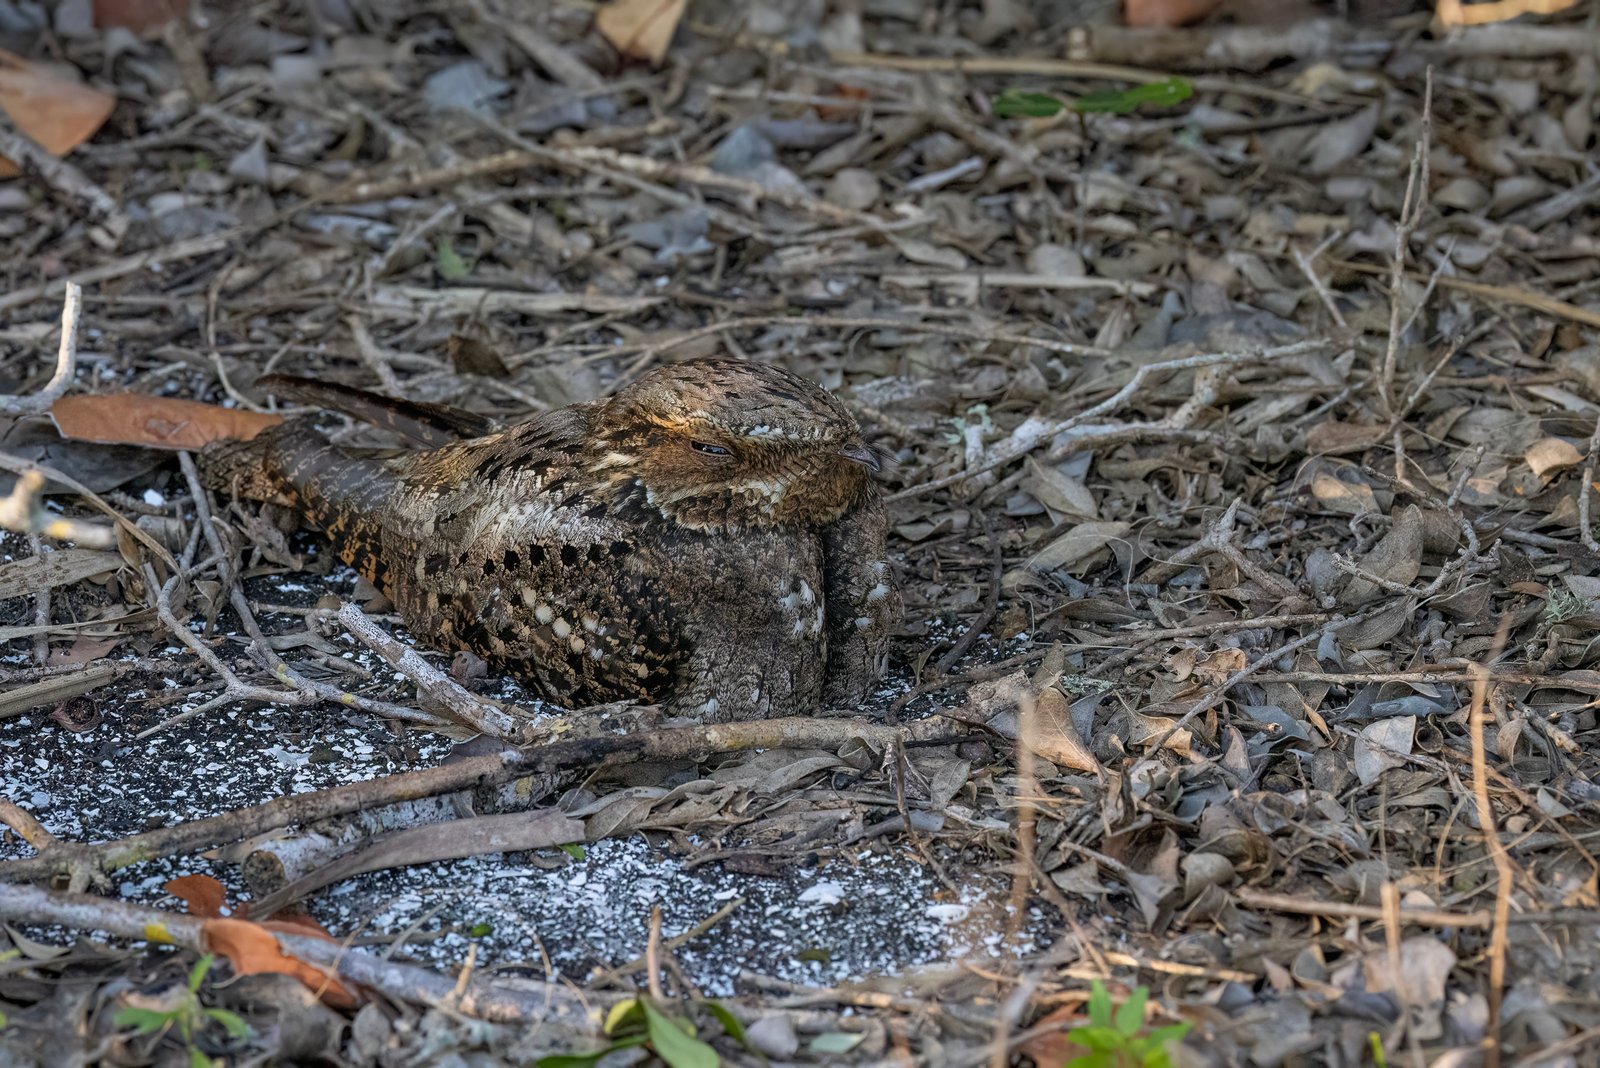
(709, 538)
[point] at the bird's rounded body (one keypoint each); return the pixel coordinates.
(708, 539)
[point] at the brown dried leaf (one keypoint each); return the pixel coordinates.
(50, 107)
(1217, 668)
(1331, 438)
(1082, 543)
(1397, 557)
(63, 567)
(640, 28)
(202, 895)
(1551, 454)
(252, 947)
(1165, 14)
(1055, 736)
(82, 651)
(1348, 498)
(157, 422)
(138, 15)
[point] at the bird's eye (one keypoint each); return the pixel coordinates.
(708, 448)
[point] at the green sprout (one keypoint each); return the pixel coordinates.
(1117, 1038)
(1166, 92)
(188, 1017)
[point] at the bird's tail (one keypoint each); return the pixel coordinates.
(431, 425)
(338, 491)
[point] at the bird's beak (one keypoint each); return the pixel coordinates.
(861, 454)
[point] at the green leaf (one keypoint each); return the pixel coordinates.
(584, 1060)
(480, 930)
(231, 1022)
(836, 1041)
(622, 1014)
(818, 954)
(1099, 1039)
(677, 1048)
(197, 974)
(1094, 1060)
(450, 263)
(573, 850)
(730, 1023)
(1014, 103)
(200, 1060)
(3, 1021)
(1099, 1004)
(1378, 1057)
(1130, 1015)
(143, 1021)
(1170, 1033)
(1163, 93)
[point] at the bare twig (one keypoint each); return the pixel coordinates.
(108, 224)
(551, 1004)
(1035, 431)
(1411, 205)
(664, 744)
(66, 361)
(23, 511)
(1585, 491)
(431, 682)
(1497, 851)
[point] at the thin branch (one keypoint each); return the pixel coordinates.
(66, 361)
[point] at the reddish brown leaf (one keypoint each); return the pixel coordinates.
(201, 894)
(49, 106)
(138, 15)
(1166, 13)
(159, 422)
(252, 948)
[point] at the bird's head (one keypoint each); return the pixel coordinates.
(726, 444)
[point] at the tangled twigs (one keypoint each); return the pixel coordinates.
(549, 1004)
(23, 510)
(1036, 430)
(664, 744)
(1219, 540)
(300, 691)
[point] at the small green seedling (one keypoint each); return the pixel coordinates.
(187, 1016)
(1114, 1039)
(1014, 103)
(639, 1022)
(449, 263)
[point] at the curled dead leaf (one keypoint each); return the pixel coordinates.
(1549, 455)
(49, 106)
(642, 29)
(1216, 668)
(1053, 735)
(1348, 498)
(252, 948)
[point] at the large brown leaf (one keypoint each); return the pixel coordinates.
(158, 422)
